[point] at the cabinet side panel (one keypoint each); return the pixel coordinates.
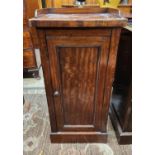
(110, 72)
(47, 79)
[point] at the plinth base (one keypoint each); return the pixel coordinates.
(80, 137)
(122, 137)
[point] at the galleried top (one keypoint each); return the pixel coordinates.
(78, 17)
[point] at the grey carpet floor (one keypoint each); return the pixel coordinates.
(37, 129)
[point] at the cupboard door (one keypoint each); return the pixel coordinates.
(78, 68)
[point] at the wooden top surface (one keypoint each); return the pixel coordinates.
(78, 17)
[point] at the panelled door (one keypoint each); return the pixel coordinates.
(78, 68)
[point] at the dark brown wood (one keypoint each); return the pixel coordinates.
(29, 60)
(121, 117)
(75, 10)
(30, 7)
(121, 106)
(83, 137)
(78, 17)
(47, 80)
(78, 65)
(123, 137)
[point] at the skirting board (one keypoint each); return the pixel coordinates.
(122, 137)
(80, 137)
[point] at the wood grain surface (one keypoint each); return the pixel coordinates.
(78, 17)
(78, 76)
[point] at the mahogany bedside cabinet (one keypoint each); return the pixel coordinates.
(78, 53)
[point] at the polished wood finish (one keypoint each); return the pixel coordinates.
(73, 17)
(29, 59)
(82, 11)
(121, 106)
(30, 7)
(27, 42)
(78, 59)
